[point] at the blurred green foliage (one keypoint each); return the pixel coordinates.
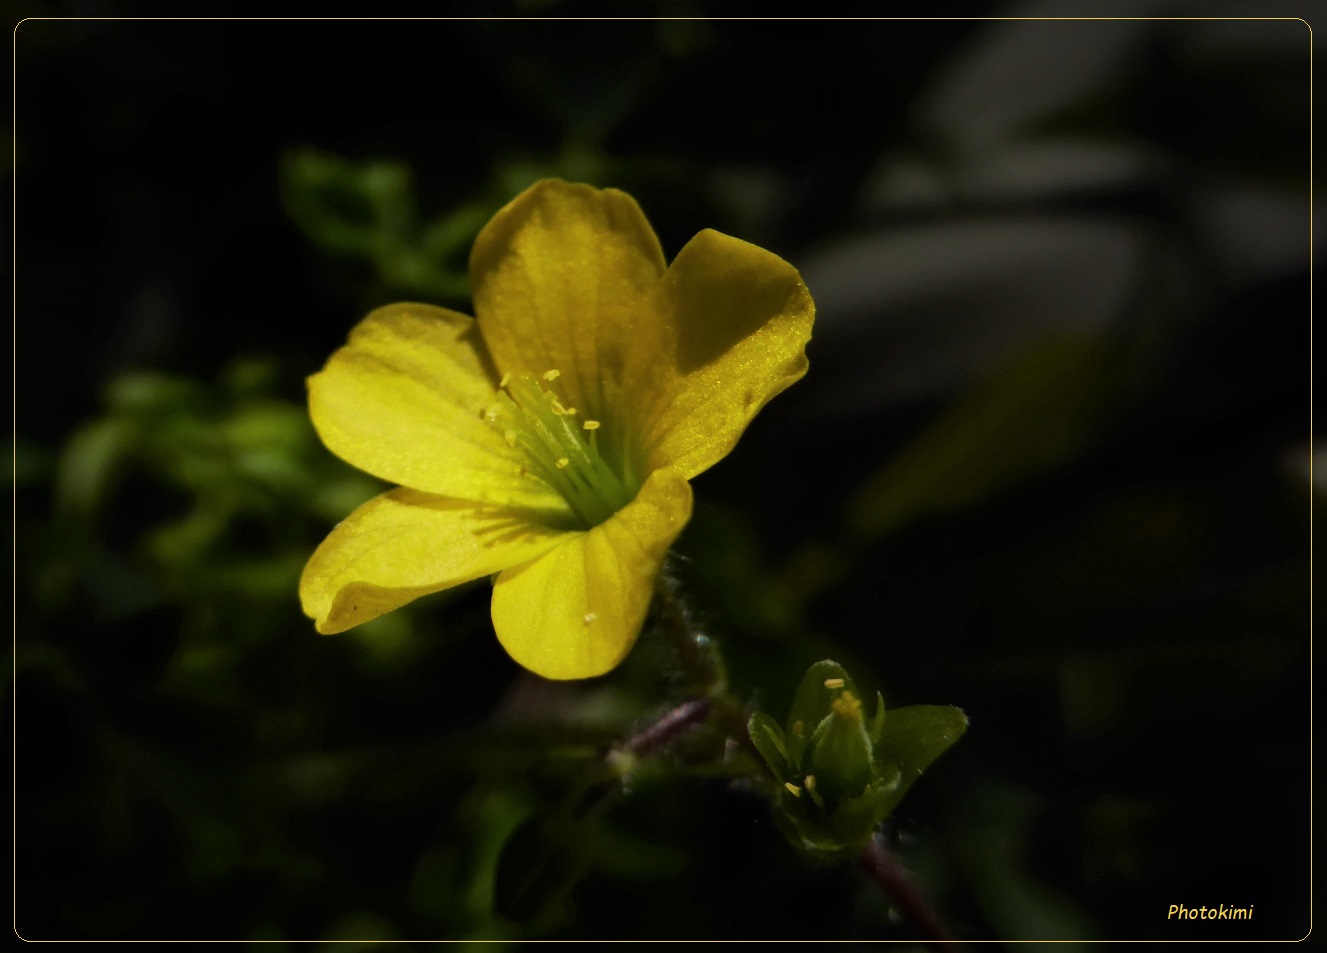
(366, 212)
(246, 478)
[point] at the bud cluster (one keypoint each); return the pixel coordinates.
(838, 775)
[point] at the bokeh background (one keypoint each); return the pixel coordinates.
(1051, 464)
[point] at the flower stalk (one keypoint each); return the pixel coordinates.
(884, 867)
(698, 657)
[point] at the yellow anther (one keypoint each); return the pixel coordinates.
(570, 411)
(557, 406)
(506, 379)
(552, 375)
(563, 463)
(810, 782)
(833, 683)
(591, 425)
(793, 789)
(848, 706)
(590, 617)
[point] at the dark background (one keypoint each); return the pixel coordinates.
(1051, 464)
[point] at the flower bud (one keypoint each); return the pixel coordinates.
(837, 781)
(841, 750)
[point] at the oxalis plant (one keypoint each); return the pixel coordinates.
(548, 442)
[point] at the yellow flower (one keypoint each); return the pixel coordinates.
(550, 438)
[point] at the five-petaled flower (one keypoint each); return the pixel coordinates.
(550, 439)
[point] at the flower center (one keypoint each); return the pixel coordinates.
(564, 450)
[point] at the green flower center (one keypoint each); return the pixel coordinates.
(573, 455)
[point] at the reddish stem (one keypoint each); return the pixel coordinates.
(658, 733)
(884, 866)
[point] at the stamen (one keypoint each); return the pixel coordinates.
(793, 789)
(833, 683)
(506, 379)
(810, 782)
(590, 617)
(848, 706)
(534, 421)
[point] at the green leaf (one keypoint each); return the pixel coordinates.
(1034, 415)
(146, 392)
(878, 719)
(914, 737)
(250, 376)
(488, 819)
(268, 425)
(88, 465)
(623, 856)
(358, 210)
(811, 705)
(539, 865)
(856, 819)
(768, 739)
(434, 262)
(807, 835)
(840, 833)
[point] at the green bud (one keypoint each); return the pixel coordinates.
(841, 749)
(838, 775)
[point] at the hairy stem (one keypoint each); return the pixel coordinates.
(619, 760)
(699, 658)
(670, 726)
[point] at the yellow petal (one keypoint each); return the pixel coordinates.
(404, 400)
(575, 611)
(559, 277)
(405, 544)
(729, 331)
